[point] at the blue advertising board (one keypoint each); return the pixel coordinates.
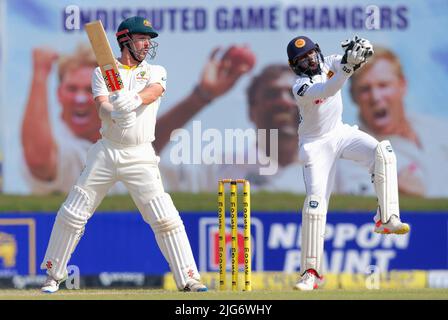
(123, 242)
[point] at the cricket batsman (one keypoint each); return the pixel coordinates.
(323, 138)
(125, 153)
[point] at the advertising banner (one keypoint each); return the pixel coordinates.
(228, 90)
(124, 243)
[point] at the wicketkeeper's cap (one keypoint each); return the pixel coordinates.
(299, 46)
(135, 25)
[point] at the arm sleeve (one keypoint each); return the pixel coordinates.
(99, 87)
(158, 75)
(305, 89)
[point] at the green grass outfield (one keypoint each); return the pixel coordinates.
(142, 294)
(260, 201)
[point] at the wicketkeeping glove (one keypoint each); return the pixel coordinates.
(356, 52)
(365, 44)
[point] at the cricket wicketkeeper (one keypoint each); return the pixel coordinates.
(323, 138)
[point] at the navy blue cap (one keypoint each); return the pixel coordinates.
(299, 46)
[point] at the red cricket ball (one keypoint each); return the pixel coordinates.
(240, 55)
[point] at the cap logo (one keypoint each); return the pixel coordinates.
(147, 23)
(300, 43)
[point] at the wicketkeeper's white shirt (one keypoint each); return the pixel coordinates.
(319, 115)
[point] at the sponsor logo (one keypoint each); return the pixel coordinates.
(8, 249)
(389, 148)
(302, 90)
(121, 278)
(300, 43)
(49, 265)
(346, 70)
(314, 204)
(438, 278)
(26, 282)
(349, 248)
(17, 246)
(209, 244)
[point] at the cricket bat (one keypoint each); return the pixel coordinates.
(104, 55)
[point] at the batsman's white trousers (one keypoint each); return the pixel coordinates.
(318, 157)
(137, 168)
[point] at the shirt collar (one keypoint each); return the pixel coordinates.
(123, 66)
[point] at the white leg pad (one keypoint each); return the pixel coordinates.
(172, 238)
(67, 231)
(386, 181)
(313, 232)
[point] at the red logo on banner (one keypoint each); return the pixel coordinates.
(209, 244)
(215, 248)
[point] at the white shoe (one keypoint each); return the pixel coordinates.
(394, 225)
(309, 281)
(50, 285)
(194, 285)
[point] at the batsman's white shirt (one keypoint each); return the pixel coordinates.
(136, 79)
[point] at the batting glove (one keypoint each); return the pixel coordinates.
(124, 120)
(126, 101)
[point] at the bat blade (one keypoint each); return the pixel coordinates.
(104, 55)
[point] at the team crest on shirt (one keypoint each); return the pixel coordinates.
(330, 74)
(142, 75)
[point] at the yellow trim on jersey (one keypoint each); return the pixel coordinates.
(128, 67)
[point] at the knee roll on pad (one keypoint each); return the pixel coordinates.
(313, 232)
(385, 181)
(161, 214)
